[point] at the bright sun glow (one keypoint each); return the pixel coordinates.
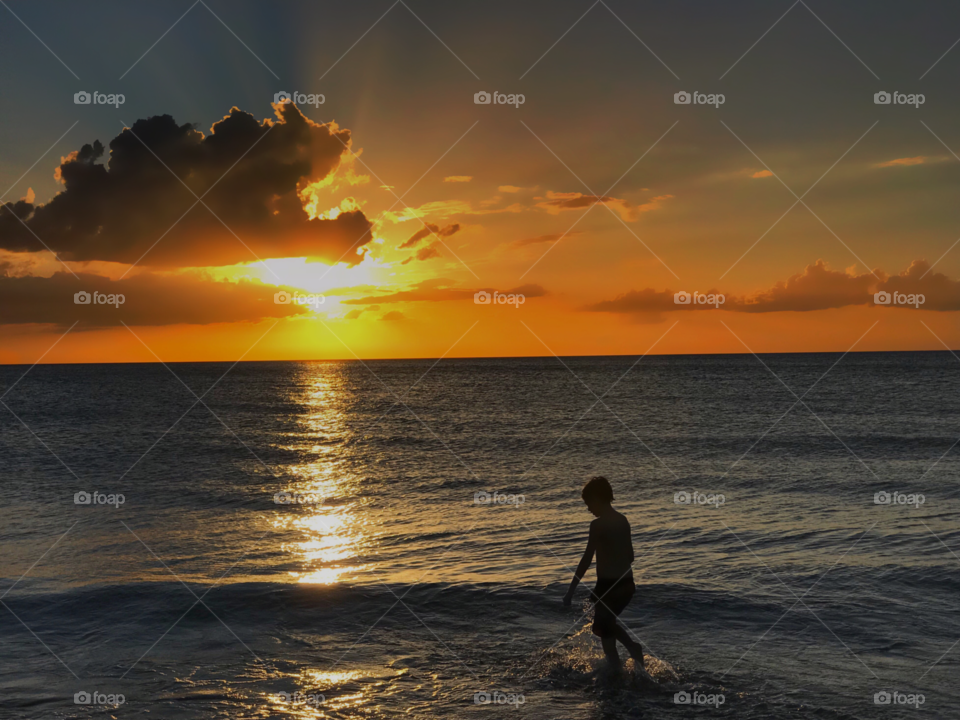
(313, 278)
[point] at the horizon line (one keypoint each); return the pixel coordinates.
(481, 357)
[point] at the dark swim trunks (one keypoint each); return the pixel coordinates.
(610, 597)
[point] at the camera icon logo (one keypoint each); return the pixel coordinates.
(482, 698)
(882, 498)
(682, 698)
(481, 98)
(881, 298)
(81, 298)
(284, 696)
(281, 97)
(681, 98)
(81, 98)
(82, 698)
(481, 297)
(81, 498)
(881, 98)
(882, 698)
(681, 298)
(481, 498)
(682, 497)
(282, 298)
(282, 498)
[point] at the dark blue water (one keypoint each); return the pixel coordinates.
(388, 591)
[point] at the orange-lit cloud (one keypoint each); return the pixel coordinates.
(458, 178)
(941, 293)
(249, 174)
(908, 161)
(357, 312)
(557, 202)
(544, 238)
(762, 174)
(425, 253)
(440, 290)
(446, 208)
(816, 288)
(428, 230)
(647, 300)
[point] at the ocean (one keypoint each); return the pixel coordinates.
(390, 539)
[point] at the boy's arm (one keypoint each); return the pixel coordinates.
(582, 567)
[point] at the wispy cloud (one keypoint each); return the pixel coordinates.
(908, 161)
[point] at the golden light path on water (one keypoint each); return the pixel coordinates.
(313, 702)
(326, 521)
(327, 533)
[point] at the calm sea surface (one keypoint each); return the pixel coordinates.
(384, 590)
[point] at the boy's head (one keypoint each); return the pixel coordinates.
(597, 494)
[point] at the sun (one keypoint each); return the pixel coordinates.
(309, 276)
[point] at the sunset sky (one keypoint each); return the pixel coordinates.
(399, 197)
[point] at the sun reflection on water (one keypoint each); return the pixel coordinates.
(327, 530)
(323, 692)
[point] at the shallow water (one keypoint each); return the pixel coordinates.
(389, 591)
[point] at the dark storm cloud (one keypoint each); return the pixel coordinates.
(253, 171)
(148, 299)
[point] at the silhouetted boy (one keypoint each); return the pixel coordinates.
(610, 540)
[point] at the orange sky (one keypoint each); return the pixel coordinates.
(798, 199)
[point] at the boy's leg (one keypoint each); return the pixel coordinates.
(634, 648)
(610, 650)
(620, 602)
(605, 626)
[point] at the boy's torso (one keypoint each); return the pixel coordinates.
(614, 546)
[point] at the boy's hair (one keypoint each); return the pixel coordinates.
(597, 489)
